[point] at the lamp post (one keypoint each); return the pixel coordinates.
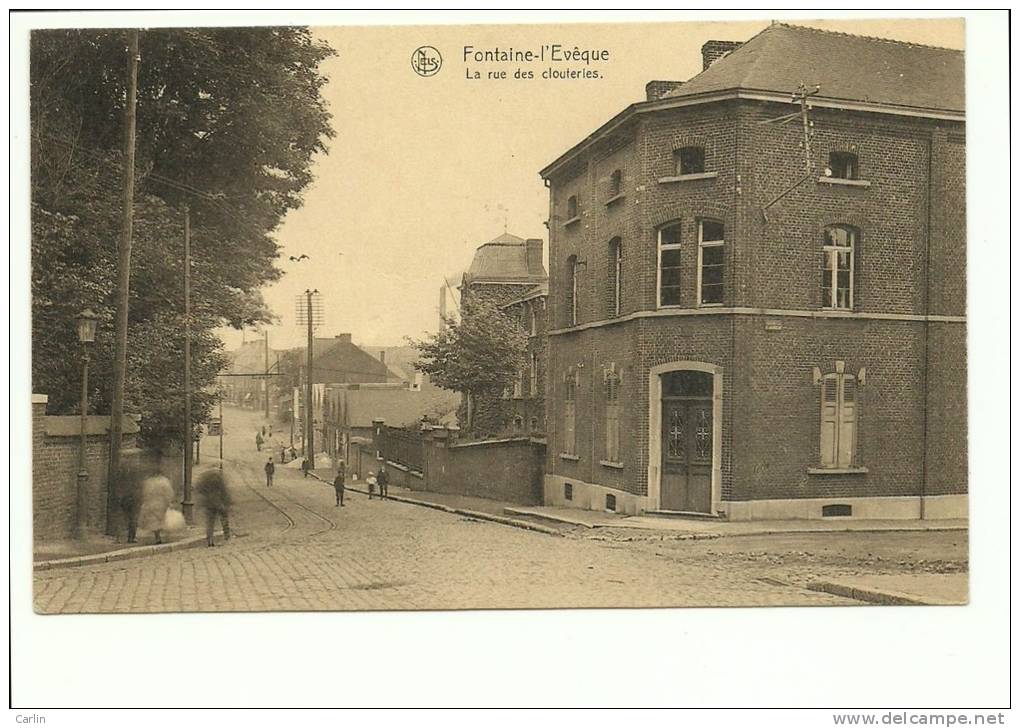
(87, 322)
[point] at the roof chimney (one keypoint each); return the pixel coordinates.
(382, 355)
(533, 256)
(343, 338)
(713, 50)
(655, 90)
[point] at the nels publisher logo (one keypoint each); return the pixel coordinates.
(426, 61)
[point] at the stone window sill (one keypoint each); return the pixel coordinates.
(843, 182)
(611, 464)
(837, 471)
(568, 456)
(615, 198)
(572, 220)
(688, 177)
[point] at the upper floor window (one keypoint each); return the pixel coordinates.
(669, 265)
(689, 160)
(838, 267)
(843, 165)
(839, 420)
(615, 184)
(533, 383)
(711, 241)
(572, 209)
(615, 275)
(571, 291)
(532, 320)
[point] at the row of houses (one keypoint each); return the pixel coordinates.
(352, 386)
(754, 309)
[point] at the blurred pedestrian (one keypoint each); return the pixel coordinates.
(305, 467)
(215, 501)
(383, 479)
(258, 441)
(157, 493)
(129, 487)
(370, 482)
(270, 471)
(338, 483)
(283, 455)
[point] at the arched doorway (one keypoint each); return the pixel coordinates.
(686, 442)
(685, 437)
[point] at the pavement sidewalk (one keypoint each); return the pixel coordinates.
(103, 550)
(915, 589)
(718, 527)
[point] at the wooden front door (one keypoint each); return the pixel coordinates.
(686, 483)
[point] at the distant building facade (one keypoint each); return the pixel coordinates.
(509, 271)
(732, 333)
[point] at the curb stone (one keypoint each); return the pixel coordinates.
(479, 515)
(874, 596)
(136, 552)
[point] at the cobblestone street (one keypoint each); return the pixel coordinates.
(294, 550)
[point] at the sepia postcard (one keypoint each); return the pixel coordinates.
(498, 317)
(509, 358)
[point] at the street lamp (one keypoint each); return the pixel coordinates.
(87, 322)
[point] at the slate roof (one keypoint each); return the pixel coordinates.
(846, 67)
(503, 259)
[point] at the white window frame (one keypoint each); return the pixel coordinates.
(702, 244)
(660, 247)
(831, 253)
(533, 385)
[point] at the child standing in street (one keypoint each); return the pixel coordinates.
(370, 481)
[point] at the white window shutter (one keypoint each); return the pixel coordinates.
(847, 421)
(829, 424)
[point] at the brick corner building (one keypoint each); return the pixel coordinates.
(757, 307)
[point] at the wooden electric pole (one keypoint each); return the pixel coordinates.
(309, 410)
(123, 288)
(187, 506)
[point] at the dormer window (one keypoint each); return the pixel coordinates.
(843, 165)
(689, 160)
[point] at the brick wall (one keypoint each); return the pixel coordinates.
(54, 476)
(507, 470)
(910, 259)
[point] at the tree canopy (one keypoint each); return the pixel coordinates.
(480, 355)
(229, 121)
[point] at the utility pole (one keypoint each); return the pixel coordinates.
(309, 410)
(266, 380)
(187, 506)
(123, 287)
(221, 429)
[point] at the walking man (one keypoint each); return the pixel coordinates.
(305, 467)
(212, 493)
(383, 479)
(270, 470)
(258, 441)
(338, 483)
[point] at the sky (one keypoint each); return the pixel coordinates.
(423, 170)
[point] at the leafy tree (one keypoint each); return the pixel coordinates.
(479, 356)
(229, 121)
